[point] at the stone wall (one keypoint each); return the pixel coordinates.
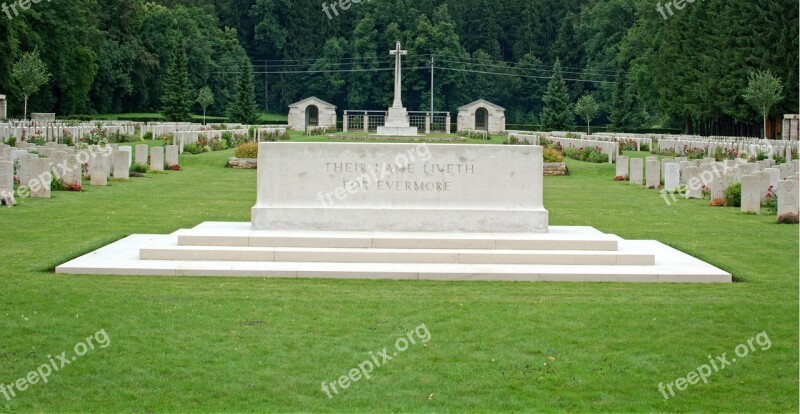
(555, 168)
(243, 163)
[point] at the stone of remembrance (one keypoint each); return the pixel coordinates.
(398, 211)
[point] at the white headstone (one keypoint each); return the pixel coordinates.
(788, 197)
(694, 185)
(622, 166)
(172, 155)
(751, 193)
(7, 183)
(637, 171)
(141, 153)
(157, 159)
(122, 165)
(672, 176)
(653, 174)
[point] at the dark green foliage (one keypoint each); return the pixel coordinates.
(557, 114)
(176, 97)
(244, 109)
(682, 72)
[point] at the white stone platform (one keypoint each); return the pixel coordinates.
(575, 254)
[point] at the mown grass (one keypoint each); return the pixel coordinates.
(253, 344)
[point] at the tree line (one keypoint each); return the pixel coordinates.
(641, 67)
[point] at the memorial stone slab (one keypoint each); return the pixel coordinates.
(382, 187)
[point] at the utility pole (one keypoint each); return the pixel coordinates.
(431, 87)
(266, 86)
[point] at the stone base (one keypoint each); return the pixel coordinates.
(555, 169)
(399, 219)
(566, 254)
(243, 163)
(398, 131)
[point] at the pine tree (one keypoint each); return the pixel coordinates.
(557, 113)
(244, 109)
(175, 98)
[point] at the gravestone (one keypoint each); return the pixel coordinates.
(72, 175)
(637, 171)
(653, 179)
(141, 154)
(622, 166)
(7, 183)
(764, 184)
(774, 176)
(157, 159)
(788, 197)
(664, 162)
(672, 176)
(122, 165)
(784, 169)
(694, 185)
(751, 194)
(98, 172)
(683, 165)
(128, 151)
(40, 179)
(172, 155)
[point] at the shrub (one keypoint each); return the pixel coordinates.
(573, 153)
(598, 157)
(586, 153)
(551, 155)
(733, 195)
(779, 159)
(219, 145)
(194, 148)
(139, 168)
(644, 147)
(73, 187)
(246, 150)
(789, 218)
(12, 141)
(57, 184)
(227, 136)
(148, 135)
(717, 202)
(620, 178)
(770, 203)
(174, 167)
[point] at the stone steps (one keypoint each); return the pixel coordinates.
(229, 253)
(559, 238)
(378, 255)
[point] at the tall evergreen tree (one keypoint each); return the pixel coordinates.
(176, 98)
(244, 109)
(557, 113)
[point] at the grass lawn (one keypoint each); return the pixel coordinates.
(250, 344)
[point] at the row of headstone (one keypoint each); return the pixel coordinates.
(56, 131)
(38, 165)
(156, 155)
(758, 179)
(749, 146)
